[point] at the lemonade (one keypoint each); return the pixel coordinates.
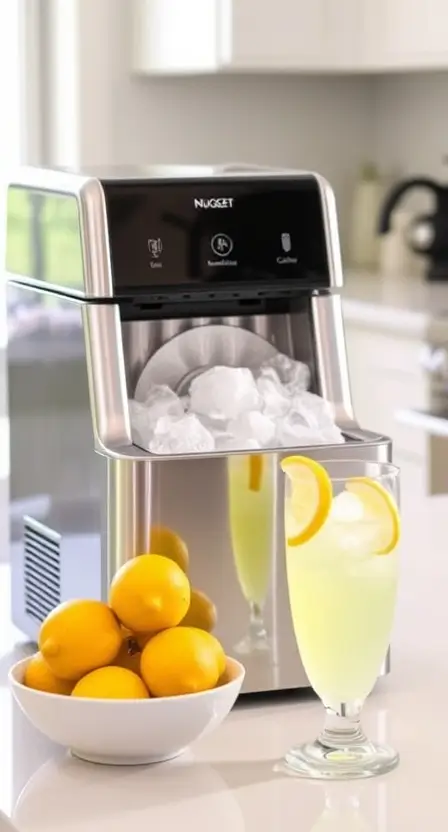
(342, 529)
(342, 603)
(251, 513)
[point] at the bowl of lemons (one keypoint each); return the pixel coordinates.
(133, 681)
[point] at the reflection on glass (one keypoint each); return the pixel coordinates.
(342, 531)
(342, 813)
(165, 541)
(251, 494)
(44, 237)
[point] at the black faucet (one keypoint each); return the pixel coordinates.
(428, 233)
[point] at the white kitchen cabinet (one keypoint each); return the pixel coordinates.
(349, 36)
(405, 34)
(386, 376)
(203, 36)
(291, 35)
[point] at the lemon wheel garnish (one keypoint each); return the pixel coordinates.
(310, 500)
(381, 509)
(255, 472)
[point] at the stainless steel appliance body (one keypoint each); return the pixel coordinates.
(103, 285)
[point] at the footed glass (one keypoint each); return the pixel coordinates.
(252, 507)
(342, 530)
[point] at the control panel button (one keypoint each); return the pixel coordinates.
(155, 247)
(221, 245)
(286, 242)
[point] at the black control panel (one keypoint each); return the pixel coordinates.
(173, 235)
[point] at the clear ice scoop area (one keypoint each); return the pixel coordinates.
(205, 386)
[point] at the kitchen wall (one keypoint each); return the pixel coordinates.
(410, 122)
(320, 123)
(96, 112)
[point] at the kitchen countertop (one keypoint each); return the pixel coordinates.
(406, 305)
(230, 783)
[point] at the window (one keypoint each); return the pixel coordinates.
(10, 146)
(19, 134)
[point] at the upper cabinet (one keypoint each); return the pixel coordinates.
(287, 35)
(347, 36)
(405, 34)
(205, 36)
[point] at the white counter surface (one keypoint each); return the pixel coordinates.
(229, 783)
(408, 305)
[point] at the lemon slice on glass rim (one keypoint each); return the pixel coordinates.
(380, 509)
(310, 500)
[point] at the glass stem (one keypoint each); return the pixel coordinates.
(256, 623)
(342, 727)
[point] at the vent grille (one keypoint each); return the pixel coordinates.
(42, 564)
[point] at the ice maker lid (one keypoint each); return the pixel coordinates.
(127, 235)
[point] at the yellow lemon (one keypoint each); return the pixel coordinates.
(380, 510)
(201, 612)
(165, 542)
(39, 677)
(129, 655)
(311, 496)
(181, 660)
(79, 636)
(150, 592)
(111, 683)
(143, 638)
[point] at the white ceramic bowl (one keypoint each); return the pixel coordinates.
(127, 732)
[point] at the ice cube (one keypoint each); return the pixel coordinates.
(141, 426)
(293, 373)
(224, 392)
(331, 436)
(312, 410)
(253, 425)
(184, 435)
(270, 373)
(225, 441)
(292, 433)
(352, 532)
(275, 400)
(162, 401)
(215, 426)
(347, 508)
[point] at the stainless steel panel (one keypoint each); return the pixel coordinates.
(56, 478)
(331, 357)
(331, 232)
(128, 512)
(95, 278)
(107, 375)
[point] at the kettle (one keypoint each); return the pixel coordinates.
(426, 234)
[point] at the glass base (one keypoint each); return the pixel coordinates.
(319, 762)
(256, 640)
(253, 643)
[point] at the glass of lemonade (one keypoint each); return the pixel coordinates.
(342, 530)
(252, 506)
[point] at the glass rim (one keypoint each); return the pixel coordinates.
(385, 469)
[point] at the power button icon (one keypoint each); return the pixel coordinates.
(221, 245)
